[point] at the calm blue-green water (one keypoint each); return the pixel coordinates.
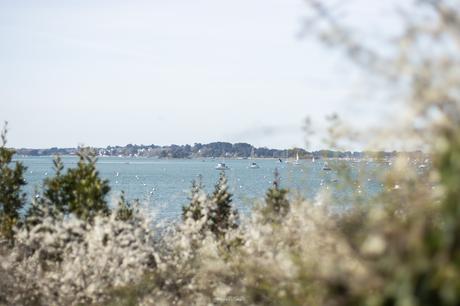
(163, 185)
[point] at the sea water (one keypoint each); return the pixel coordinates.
(163, 185)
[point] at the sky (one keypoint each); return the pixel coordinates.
(164, 72)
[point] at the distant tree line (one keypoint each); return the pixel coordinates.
(212, 150)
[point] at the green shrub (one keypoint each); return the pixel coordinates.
(12, 198)
(276, 202)
(222, 216)
(197, 203)
(80, 191)
(214, 211)
(125, 210)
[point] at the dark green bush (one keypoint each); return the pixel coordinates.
(125, 210)
(222, 215)
(79, 191)
(215, 210)
(12, 198)
(196, 205)
(276, 202)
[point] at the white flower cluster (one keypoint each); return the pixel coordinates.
(69, 261)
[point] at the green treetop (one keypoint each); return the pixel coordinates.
(197, 200)
(277, 204)
(216, 210)
(222, 215)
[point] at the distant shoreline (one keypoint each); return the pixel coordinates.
(215, 150)
(216, 159)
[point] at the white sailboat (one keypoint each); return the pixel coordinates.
(297, 159)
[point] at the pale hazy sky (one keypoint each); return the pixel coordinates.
(169, 71)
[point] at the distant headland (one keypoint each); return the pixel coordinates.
(213, 150)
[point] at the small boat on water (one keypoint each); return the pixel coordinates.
(222, 166)
(326, 167)
(297, 159)
(254, 166)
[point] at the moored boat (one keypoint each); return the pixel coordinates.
(222, 166)
(254, 166)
